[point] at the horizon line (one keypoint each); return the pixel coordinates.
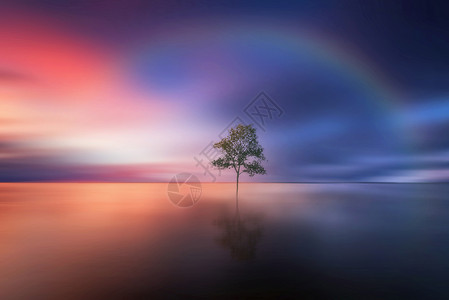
(233, 182)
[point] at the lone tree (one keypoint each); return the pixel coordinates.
(240, 150)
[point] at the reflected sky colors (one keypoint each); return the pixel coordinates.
(132, 90)
(312, 241)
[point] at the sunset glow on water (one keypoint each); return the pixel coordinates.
(73, 241)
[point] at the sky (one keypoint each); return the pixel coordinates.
(136, 91)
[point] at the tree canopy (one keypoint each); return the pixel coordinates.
(241, 151)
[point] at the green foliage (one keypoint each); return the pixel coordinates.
(240, 150)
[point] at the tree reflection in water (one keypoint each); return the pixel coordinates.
(240, 234)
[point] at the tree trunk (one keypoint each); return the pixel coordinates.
(237, 194)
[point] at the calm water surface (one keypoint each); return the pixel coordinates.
(298, 241)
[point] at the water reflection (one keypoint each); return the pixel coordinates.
(127, 241)
(240, 234)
